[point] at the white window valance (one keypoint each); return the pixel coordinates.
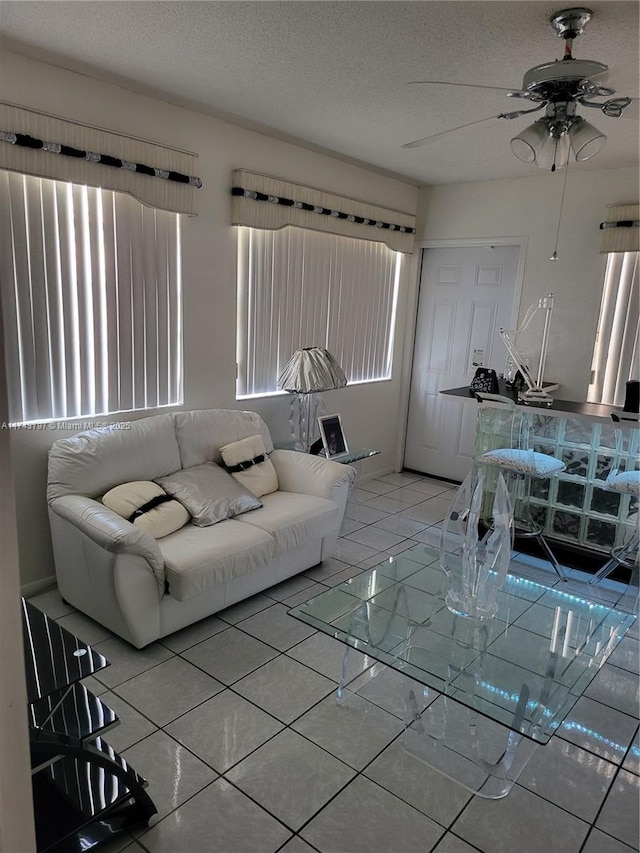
(620, 230)
(161, 192)
(260, 201)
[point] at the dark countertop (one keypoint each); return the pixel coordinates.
(570, 407)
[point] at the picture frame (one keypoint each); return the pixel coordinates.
(333, 438)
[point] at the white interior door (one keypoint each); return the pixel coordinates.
(466, 295)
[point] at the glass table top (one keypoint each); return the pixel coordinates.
(525, 668)
(355, 455)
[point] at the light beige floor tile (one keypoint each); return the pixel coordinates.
(127, 661)
(173, 773)
(504, 826)
(220, 819)
(275, 627)
(230, 655)
(86, 629)
(202, 630)
(417, 784)
(224, 729)
(570, 777)
(51, 603)
(284, 688)
(598, 728)
(168, 690)
(133, 725)
(313, 777)
(364, 818)
(620, 815)
(355, 730)
(598, 842)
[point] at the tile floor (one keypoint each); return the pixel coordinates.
(233, 721)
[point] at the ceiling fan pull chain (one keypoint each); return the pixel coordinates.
(554, 256)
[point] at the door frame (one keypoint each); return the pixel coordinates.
(522, 242)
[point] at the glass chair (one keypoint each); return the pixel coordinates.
(624, 478)
(505, 443)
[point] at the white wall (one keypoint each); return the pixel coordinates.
(529, 207)
(370, 413)
(209, 266)
(17, 834)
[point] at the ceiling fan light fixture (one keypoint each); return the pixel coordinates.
(542, 144)
(526, 144)
(586, 140)
(553, 153)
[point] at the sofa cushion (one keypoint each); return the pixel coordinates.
(147, 506)
(200, 434)
(247, 461)
(90, 463)
(292, 519)
(209, 493)
(197, 559)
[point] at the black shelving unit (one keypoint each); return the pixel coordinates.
(84, 793)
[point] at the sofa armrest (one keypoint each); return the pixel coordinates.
(310, 475)
(109, 530)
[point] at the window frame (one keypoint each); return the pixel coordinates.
(300, 280)
(92, 302)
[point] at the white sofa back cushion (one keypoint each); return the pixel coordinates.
(202, 433)
(90, 463)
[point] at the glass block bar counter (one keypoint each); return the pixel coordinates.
(572, 506)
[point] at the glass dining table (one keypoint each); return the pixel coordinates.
(481, 696)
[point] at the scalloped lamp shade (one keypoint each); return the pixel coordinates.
(311, 370)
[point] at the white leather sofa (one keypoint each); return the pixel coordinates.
(142, 588)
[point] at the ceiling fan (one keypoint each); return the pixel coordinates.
(557, 88)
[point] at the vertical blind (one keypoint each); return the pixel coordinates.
(616, 355)
(91, 294)
(300, 288)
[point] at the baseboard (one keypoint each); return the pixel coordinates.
(33, 588)
(373, 475)
(432, 476)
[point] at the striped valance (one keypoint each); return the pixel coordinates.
(621, 229)
(260, 201)
(45, 146)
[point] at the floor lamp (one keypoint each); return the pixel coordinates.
(308, 373)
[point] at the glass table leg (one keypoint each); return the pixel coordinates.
(477, 753)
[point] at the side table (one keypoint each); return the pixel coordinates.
(84, 793)
(345, 458)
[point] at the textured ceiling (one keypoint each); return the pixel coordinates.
(334, 74)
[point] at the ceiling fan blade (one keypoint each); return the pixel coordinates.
(623, 79)
(417, 143)
(515, 91)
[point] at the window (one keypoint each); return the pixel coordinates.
(91, 300)
(616, 355)
(301, 288)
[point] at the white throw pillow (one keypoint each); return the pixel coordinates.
(524, 461)
(247, 461)
(209, 493)
(626, 481)
(147, 506)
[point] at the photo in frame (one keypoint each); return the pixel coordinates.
(333, 440)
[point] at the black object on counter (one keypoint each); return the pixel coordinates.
(632, 397)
